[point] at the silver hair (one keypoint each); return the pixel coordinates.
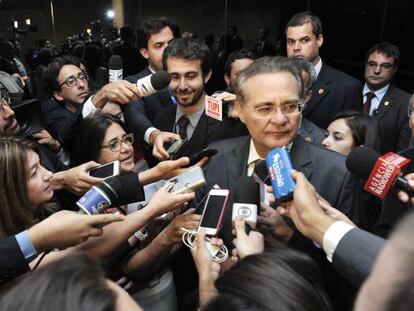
(266, 65)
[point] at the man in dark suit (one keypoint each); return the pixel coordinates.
(188, 61)
(385, 102)
(270, 92)
(68, 85)
(153, 37)
(333, 91)
(264, 47)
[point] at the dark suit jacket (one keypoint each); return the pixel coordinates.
(310, 132)
(392, 120)
(206, 131)
(355, 255)
(12, 261)
(333, 91)
(140, 114)
(58, 119)
(324, 169)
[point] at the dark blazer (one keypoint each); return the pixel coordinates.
(58, 119)
(12, 261)
(355, 255)
(392, 120)
(310, 132)
(325, 170)
(140, 114)
(206, 131)
(333, 91)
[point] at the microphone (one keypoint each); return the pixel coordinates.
(380, 172)
(115, 68)
(246, 198)
(113, 191)
(153, 83)
(261, 176)
(279, 167)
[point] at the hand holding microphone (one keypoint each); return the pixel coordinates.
(122, 92)
(382, 173)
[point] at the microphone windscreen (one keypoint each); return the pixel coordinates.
(361, 161)
(246, 191)
(261, 170)
(115, 62)
(160, 80)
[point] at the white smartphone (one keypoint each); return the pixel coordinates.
(106, 170)
(213, 212)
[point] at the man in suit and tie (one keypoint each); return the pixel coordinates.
(382, 100)
(153, 37)
(270, 93)
(333, 91)
(188, 61)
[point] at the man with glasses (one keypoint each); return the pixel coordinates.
(270, 95)
(383, 101)
(71, 99)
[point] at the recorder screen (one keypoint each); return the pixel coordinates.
(212, 212)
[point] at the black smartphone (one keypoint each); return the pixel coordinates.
(194, 159)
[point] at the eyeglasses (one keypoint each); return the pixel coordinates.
(116, 144)
(73, 80)
(288, 109)
(374, 65)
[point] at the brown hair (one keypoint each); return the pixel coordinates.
(16, 213)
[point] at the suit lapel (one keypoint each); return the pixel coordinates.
(385, 104)
(237, 163)
(319, 90)
(299, 155)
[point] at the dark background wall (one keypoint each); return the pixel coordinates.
(350, 27)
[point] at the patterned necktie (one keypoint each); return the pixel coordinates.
(367, 104)
(182, 126)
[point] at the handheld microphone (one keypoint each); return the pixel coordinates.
(115, 68)
(380, 172)
(261, 176)
(153, 83)
(279, 167)
(113, 191)
(246, 198)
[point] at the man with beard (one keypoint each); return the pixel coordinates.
(333, 90)
(188, 61)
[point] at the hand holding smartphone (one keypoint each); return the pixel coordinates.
(106, 170)
(213, 213)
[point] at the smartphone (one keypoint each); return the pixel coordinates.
(194, 159)
(174, 149)
(213, 212)
(188, 181)
(106, 170)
